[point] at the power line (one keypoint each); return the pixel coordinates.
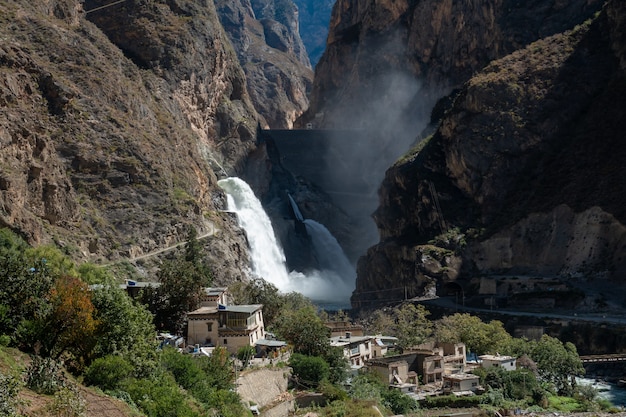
(105, 6)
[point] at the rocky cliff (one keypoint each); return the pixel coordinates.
(314, 21)
(522, 177)
(265, 35)
(372, 45)
(114, 119)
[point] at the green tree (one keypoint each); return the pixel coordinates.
(380, 322)
(67, 402)
(193, 254)
(259, 291)
(186, 369)
(183, 280)
(218, 369)
(518, 384)
(558, 363)
(180, 292)
(95, 274)
(304, 330)
(108, 372)
(309, 370)
(24, 287)
(479, 337)
(398, 402)
(408, 322)
(338, 365)
(57, 263)
(124, 328)
(411, 325)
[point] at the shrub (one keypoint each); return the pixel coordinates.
(332, 392)
(453, 402)
(309, 370)
(398, 402)
(108, 372)
(9, 388)
(159, 397)
(5, 340)
(45, 376)
(67, 402)
(245, 353)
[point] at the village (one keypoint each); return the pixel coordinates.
(429, 369)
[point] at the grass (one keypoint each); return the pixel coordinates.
(564, 404)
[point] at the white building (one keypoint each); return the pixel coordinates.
(506, 362)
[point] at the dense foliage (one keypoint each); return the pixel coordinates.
(47, 308)
(408, 322)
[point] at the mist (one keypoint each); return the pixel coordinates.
(389, 114)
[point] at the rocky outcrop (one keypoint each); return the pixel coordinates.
(525, 166)
(266, 37)
(113, 123)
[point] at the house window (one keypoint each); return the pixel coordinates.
(225, 341)
(209, 327)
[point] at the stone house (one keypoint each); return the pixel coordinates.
(430, 362)
(231, 327)
(395, 371)
(359, 349)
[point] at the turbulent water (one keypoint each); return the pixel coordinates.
(330, 286)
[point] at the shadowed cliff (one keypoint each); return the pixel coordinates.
(522, 177)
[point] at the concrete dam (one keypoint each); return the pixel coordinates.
(337, 161)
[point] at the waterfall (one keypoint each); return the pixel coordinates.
(332, 285)
(329, 253)
(268, 258)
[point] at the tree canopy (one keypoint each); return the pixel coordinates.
(304, 330)
(479, 337)
(558, 363)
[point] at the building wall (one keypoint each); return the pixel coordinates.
(233, 343)
(509, 365)
(198, 331)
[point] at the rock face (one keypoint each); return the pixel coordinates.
(266, 37)
(524, 172)
(113, 122)
(314, 21)
(372, 45)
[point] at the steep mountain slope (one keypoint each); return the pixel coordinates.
(314, 16)
(440, 43)
(114, 121)
(265, 35)
(525, 172)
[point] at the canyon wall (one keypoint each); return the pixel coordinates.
(116, 121)
(522, 175)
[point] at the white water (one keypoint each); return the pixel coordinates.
(332, 285)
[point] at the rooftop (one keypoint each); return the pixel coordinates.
(248, 309)
(461, 377)
(215, 291)
(496, 358)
